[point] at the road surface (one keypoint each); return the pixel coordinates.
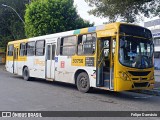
(40, 95)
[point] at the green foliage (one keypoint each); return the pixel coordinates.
(51, 16)
(126, 10)
(11, 27)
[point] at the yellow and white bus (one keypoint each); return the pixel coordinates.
(116, 57)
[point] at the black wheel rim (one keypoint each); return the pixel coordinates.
(83, 82)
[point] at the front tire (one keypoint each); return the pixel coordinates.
(83, 84)
(26, 74)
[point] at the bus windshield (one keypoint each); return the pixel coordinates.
(136, 52)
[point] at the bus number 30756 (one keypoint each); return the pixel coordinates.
(77, 60)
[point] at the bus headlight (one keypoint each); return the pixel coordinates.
(152, 77)
(123, 76)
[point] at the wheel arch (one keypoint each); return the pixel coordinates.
(77, 73)
(23, 68)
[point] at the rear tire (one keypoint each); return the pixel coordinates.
(26, 74)
(82, 82)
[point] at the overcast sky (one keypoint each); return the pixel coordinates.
(82, 8)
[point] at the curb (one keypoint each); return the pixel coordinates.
(155, 91)
(157, 75)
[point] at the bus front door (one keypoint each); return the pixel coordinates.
(15, 60)
(105, 64)
(50, 61)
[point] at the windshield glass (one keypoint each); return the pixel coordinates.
(136, 52)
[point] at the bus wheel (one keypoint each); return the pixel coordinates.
(83, 84)
(26, 74)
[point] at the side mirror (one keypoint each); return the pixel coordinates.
(122, 43)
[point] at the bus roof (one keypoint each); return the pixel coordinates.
(114, 25)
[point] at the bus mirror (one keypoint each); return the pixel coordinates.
(122, 43)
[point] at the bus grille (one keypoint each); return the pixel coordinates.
(139, 78)
(145, 84)
(139, 73)
(144, 78)
(135, 78)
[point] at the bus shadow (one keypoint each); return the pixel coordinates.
(55, 83)
(124, 95)
(94, 91)
(127, 95)
(16, 76)
(39, 80)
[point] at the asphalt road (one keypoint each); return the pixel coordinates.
(17, 94)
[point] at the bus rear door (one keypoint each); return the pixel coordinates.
(50, 61)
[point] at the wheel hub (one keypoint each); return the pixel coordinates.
(83, 82)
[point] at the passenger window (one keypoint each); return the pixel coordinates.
(48, 52)
(30, 48)
(22, 51)
(10, 50)
(53, 52)
(58, 46)
(40, 48)
(68, 46)
(87, 44)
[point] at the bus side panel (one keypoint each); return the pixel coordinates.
(9, 64)
(91, 73)
(21, 63)
(36, 66)
(30, 65)
(20, 67)
(39, 66)
(65, 72)
(63, 69)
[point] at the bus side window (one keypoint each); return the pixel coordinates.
(53, 52)
(31, 48)
(58, 46)
(86, 44)
(22, 51)
(40, 48)
(68, 46)
(81, 39)
(10, 50)
(48, 52)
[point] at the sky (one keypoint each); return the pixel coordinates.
(82, 9)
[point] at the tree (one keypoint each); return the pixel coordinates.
(126, 10)
(11, 27)
(51, 16)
